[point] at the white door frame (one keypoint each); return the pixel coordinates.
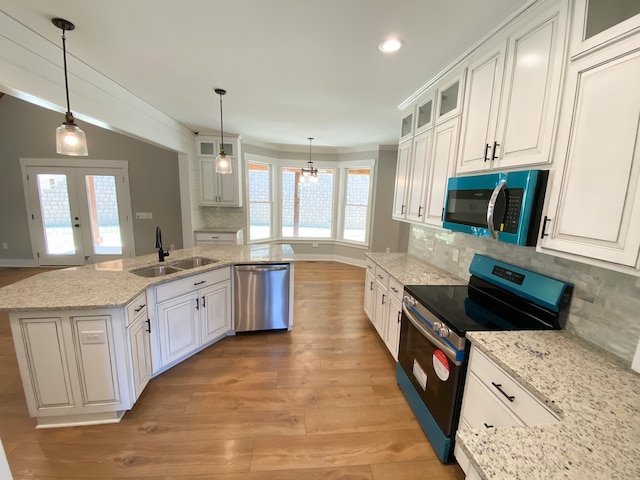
(81, 166)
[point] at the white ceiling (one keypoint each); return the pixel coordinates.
(292, 68)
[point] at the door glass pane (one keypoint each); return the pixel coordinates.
(307, 209)
(407, 123)
(259, 201)
(424, 113)
(449, 99)
(603, 14)
(56, 214)
(103, 214)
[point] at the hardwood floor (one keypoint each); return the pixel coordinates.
(317, 403)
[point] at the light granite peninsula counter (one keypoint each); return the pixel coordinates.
(88, 339)
(410, 270)
(596, 396)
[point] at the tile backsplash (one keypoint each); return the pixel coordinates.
(227, 217)
(605, 308)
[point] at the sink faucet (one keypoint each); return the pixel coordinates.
(161, 252)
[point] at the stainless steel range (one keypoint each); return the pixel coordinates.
(433, 353)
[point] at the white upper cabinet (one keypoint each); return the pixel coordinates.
(598, 23)
(512, 96)
(418, 172)
(401, 189)
(449, 97)
(406, 127)
(424, 112)
(594, 204)
(216, 189)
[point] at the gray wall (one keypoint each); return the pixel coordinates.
(605, 308)
(28, 131)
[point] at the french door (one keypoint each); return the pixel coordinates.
(78, 214)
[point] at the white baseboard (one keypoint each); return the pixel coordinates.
(20, 262)
(330, 258)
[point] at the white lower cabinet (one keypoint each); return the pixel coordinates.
(383, 305)
(493, 399)
(190, 314)
(74, 366)
(369, 290)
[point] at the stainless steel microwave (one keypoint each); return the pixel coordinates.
(504, 206)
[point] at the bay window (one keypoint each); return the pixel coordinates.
(307, 208)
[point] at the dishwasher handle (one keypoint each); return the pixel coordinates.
(260, 268)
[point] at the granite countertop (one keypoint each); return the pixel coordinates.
(595, 394)
(410, 270)
(110, 284)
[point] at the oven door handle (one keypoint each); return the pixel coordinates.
(448, 350)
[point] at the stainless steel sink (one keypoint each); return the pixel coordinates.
(193, 262)
(156, 271)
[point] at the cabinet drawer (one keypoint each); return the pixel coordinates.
(137, 308)
(371, 266)
(216, 237)
(481, 410)
(382, 276)
(509, 392)
(191, 284)
(395, 288)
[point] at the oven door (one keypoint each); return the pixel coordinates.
(431, 365)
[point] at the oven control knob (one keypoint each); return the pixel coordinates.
(437, 326)
(444, 331)
(410, 301)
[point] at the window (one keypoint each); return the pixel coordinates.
(260, 201)
(356, 204)
(307, 210)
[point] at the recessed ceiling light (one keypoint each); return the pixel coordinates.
(391, 45)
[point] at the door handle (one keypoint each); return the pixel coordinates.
(495, 145)
(148, 322)
(197, 304)
(204, 305)
(491, 207)
(486, 152)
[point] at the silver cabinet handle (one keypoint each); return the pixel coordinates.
(491, 207)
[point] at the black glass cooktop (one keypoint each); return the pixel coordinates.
(478, 306)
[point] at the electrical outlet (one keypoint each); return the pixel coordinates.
(455, 255)
(387, 250)
(149, 215)
(5, 245)
(96, 337)
(314, 244)
(172, 246)
(141, 215)
(429, 243)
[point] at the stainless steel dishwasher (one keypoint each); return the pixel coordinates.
(261, 297)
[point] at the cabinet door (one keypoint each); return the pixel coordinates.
(208, 182)
(140, 349)
(482, 99)
(402, 171)
(406, 127)
(369, 295)
(44, 364)
(424, 113)
(392, 334)
(443, 160)
(530, 93)
(418, 173)
(594, 206)
(449, 98)
(228, 186)
(178, 323)
(96, 360)
(381, 305)
(215, 311)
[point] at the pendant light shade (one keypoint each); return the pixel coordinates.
(70, 139)
(308, 175)
(223, 162)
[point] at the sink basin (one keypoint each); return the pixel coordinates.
(156, 271)
(193, 262)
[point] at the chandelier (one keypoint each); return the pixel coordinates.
(309, 174)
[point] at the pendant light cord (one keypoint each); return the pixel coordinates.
(66, 80)
(221, 128)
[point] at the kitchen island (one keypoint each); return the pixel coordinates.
(594, 394)
(88, 339)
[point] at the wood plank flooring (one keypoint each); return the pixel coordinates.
(317, 403)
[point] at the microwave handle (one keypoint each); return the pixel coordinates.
(491, 207)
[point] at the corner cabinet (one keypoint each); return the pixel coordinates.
(216, 189)
(594, 204)
(512, 95)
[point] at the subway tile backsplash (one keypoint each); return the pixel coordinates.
(605, 309)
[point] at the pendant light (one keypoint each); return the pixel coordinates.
(70, 139)
(223, 162)
(309, 174)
